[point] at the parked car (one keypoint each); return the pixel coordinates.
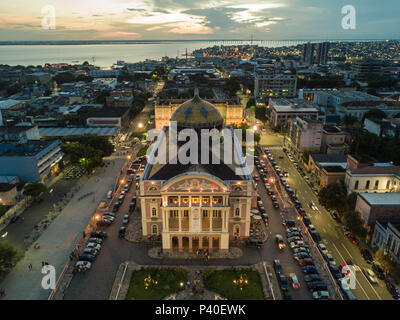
(87, 257)
(98, 234)
(392, 289)
(312, 277)
(295, 282)
(311, 228)
(301, 255)
(353, 239)
(317, 285)
(329, 259)
(83, 265)
(94, 246)
(309, 269)
(367, 256)
(104, 222)
(294, 234)
(294, 238)
(289, 223)
(95, 240)
(121, 232)
(111, 214)
(297, 243)
(107, 217)
(302, 212)
(125, 220)
(277, 266)
(306, 220)
(276, 204)
(335, 272)
(91, 251)
(379, 271)
(283, 281)
(116, 207)
(321, 295)
(306, 262)
(316, 237)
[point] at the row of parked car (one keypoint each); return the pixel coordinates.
(91, 251)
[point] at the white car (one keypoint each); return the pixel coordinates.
(371, 276)
(125, 220)
(83, 265)
(311, 228)
(313, 206)
(109, 218)
(321, 295)
(94, 246)
(323, 249)
(297, 243)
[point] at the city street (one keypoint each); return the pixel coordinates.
(333, 237)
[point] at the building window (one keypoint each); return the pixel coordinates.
(356, 185)
(174, 213)
(388, 184)
(195, 200)
(154, 212)
(173, 200)
(217, 213)
(367, 185)
(185, 200)
(205, 200)
(376, 184)
(154, 229)
(186, 213)
(205, 213)
(217, 200)
(237, 212)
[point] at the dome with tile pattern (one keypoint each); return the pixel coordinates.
(197, 113)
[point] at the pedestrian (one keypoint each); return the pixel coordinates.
(30, 266)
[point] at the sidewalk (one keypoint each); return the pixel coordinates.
(59, 239)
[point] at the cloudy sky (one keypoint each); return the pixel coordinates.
(198, 19)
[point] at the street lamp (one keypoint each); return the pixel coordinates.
(140, 125)
(271, 180)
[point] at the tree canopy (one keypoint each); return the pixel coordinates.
(8, 257)
(34, 189)
(355, 224)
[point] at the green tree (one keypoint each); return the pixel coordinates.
(34, 189)
(334, 196)
(232, 86)
(8, 257)
(355, 224)
(64, 77)
(101, 98)
(374, 114)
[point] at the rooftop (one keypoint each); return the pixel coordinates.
(334, 158)
(109, 113)
(20, 150)
(381, 199)
(332, 129)
(62, 132)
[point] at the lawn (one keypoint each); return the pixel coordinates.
(168, 282)
(221, 281)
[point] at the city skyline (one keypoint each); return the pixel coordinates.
(182, 20)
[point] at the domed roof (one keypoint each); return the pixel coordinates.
(197, 113)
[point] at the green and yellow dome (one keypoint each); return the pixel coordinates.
(197, 113)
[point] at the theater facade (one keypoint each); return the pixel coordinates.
(196, 205)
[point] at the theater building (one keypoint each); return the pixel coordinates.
(195, 206)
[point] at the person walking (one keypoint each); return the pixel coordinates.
(30, 266)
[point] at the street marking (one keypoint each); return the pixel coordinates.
(347, 250)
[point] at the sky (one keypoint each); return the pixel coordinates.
(21, 20)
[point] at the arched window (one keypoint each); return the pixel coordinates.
(376, 184)
(154, 212)
(367, 184)
(388, 184)
(154, 229)
(356, 185)
(237, 212)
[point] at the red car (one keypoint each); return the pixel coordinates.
(352, 238)
(306, 262)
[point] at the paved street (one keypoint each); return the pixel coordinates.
(59, 239)
(336, 242)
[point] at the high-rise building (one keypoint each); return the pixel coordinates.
(308, 53)
(322, 53)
